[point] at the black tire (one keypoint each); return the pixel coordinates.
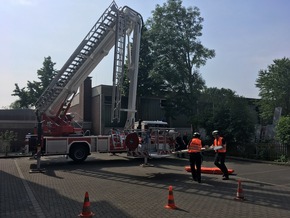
(79, 153)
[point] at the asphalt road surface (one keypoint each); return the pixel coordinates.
(119, 187)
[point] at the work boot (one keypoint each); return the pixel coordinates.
(226, 178)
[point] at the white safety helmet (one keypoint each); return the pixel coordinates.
(215, 132)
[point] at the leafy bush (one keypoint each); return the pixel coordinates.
(283, 158)
(5, 140)
(8, 136)
(283, 130)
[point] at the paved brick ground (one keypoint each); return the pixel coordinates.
(119, 187)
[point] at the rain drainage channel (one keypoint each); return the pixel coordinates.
(32, 198)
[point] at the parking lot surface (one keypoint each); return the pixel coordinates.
(119, 187)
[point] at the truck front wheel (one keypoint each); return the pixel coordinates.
(78, 153)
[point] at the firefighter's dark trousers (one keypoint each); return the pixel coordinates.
(195, 165)
(219, 161)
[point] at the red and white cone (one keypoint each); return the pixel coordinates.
(86, 212)
(240, 193)
(170, 204)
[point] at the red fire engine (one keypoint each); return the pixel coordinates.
(56, 134)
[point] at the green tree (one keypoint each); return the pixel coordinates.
(14, 105)
(227, 112)
(146, 84)
(29, 95)
(283, 130)
(177, 52)
(274, 88)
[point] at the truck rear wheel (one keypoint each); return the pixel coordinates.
(79, 153)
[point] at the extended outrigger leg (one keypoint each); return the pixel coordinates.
(38, 169)
(146, 164)
(38, 149)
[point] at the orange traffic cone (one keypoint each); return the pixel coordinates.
(86, 212)
(170, 204)
(240, 193)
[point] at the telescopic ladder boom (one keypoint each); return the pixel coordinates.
(111, 29)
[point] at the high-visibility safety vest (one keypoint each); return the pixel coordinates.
(194, 146)
(219, 142)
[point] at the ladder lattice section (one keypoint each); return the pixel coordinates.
(67, 81)
(118, 72)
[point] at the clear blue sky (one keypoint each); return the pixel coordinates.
(246, 35)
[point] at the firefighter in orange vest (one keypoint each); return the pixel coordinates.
(220, 155)
(194, 151)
